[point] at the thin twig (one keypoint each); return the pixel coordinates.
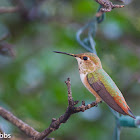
(55, 124)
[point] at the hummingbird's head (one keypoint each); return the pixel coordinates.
(87, 62)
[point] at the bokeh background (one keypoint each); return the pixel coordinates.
(32, 83)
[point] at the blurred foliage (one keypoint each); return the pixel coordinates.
(32, 84)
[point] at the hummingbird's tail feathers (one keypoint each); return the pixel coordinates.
(131, 114)
(100, 88)
(118, 109)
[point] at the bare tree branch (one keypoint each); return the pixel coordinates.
(29, 131)
(71, 109)
(7, 49)
(55, 124)
(49, 139)
(8, 9)
(106, 6)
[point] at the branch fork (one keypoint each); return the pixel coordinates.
(106, 6)
(55, 123)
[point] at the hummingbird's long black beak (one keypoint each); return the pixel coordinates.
(65, 53)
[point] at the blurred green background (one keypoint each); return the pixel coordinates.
(32, 84)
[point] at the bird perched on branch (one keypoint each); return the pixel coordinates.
(99, 83)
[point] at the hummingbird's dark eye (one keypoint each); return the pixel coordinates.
(85, 58)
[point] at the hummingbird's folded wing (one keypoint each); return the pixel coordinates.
(107, 90)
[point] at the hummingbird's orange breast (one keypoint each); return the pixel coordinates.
(87, 85)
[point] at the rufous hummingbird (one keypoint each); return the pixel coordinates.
(99, 83)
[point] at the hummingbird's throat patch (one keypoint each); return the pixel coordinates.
(85, 66)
